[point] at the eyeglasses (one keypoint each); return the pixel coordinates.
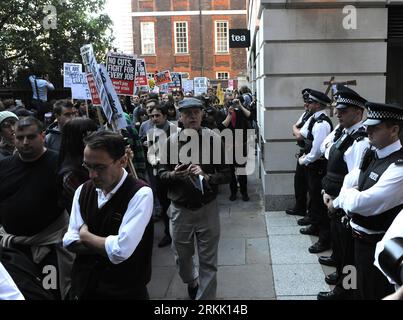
(97, 167)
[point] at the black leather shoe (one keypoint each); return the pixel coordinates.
(165, 241)
(245, 197)
(295, 212)
(305, 221)
(232, 197)
(318, 247)
(335, 294)
(331, 279)
(192, 292)
(311, 230)
(327, 261)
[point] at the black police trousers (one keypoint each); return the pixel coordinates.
(371, 282)
(318, 213)
(300, 188)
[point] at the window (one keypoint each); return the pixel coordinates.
(222, 75)
(221, 37)
(181, 37)
(147, 38)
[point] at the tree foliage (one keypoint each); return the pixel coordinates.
(29, 44)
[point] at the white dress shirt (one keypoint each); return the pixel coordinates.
(328, 143)
(43, 87)
(319, 131)
(386, 194)
(394, 231)
(121, 246)
(8, 288)
(353, 155)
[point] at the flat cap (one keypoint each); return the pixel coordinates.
(188, 103)
(378, 112)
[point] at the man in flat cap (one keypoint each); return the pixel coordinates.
(300, 178)
(343, 148)
(192, 189)
(372, 195)
(314, 132)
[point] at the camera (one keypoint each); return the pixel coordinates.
(391, 259)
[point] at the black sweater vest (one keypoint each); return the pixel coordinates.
(371, 170)
(336, 166)
(96, 274)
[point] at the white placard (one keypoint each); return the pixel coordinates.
(68, 70)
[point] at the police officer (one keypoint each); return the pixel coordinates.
(314, 132)
(343, 148)
(300, 179)
(372, 195)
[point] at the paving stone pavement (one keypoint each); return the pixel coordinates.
(262, 255)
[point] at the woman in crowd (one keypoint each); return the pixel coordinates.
(71, 172)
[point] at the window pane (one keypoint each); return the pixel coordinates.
(147, 38)
(221, 36)
(181, 37)
(222, 75)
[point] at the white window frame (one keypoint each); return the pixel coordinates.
(144, 49)
(222, 72)
(176, 39)
(216, 36)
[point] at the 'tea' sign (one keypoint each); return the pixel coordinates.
(239, 38)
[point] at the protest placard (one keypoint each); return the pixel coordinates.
(162, 77)
(141, 73)
(109, 100)
(176, 81)
(187, 85)
(68, 70)
(79, 86)
(200, 85)
(122, 70)
(96, 101)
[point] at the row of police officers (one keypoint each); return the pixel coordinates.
(349, 186)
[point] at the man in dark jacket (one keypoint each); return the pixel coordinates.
(192, 189)
(64, 111)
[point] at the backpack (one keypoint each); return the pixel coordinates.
(25, 274)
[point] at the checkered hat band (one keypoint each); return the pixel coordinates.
(350, 102)
(384, 115)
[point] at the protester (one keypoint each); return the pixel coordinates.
(64, 111)
(32, 219)
(193, 213)
(7, 134)
(71, 171)
(40, 86)
(110, 226)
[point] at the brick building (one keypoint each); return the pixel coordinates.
(190, 36)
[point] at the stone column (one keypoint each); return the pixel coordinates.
(301, 44)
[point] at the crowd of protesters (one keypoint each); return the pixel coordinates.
(69, 200)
